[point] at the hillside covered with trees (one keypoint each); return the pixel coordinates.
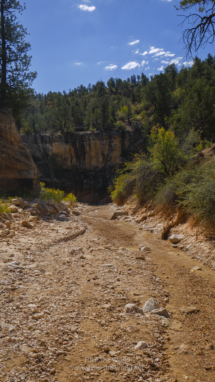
(181, 101)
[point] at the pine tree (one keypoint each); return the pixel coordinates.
(15, 77)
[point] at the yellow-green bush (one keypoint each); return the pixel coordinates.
(70, 198)
(4, 207)
(48, 194)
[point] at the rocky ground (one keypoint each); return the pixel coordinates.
(87, 297)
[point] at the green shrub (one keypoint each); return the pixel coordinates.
(139, 177)
(119, 125)
(170, 192)
(4, 207)
(49, 194)
(165, 152)
(198, 196)
(123, 187)
(70, 198)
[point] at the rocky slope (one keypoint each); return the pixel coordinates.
(18, 172)
(83, 163)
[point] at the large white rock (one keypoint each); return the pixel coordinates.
(150, 305)
(174, 239)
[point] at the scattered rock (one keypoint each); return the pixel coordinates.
(34, 308)
(174, 239)
(150, 305)
(145, 249)
(26, 204)
(160, 312)
(140, 257)
(18, 202)
(196, 269)
(209, 346)
(130, 308)
(13, 208)
(142, 218)
(141, 345)
(76, 212)
(183, 349)
(38, 316)
(118, 214)
(112, 353)
(189, 309)
(73, 329)
(27, 224)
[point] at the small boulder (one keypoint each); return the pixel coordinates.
(196, 269)
(118, 214)
(189, 309)
(145, 249)
(140, 257)
(27, 224)
(18, 202)
(38, 316)
(160, 312)
(141, 345)
(150, 305)
(26, 204)
(36, 206)
(130, 308)
(13, 208)
(174, 239)
(76, 212)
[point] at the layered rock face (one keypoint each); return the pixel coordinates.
(84, 163)
(18, 172)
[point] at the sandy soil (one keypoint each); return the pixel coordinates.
(64, 286)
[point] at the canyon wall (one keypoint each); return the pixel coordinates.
(84, 163)
(18, 172)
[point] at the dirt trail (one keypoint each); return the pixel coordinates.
(63, 290)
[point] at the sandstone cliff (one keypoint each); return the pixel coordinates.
(18, 172)
(83, 163)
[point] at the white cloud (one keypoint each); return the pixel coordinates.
(144, 63)
(161, 68)
(168, 1)
(188, 63)
(131, 65)
(159, 53)
(134, 42)
(84, 7)
(137, 51)
(78, 63)
(176, 61)
(147, 68)
(144, 53)
(154, 50)
(168, 54)
(111, 67)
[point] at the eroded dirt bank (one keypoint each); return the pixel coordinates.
(64, 287)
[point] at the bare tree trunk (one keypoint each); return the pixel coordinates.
(3, 59)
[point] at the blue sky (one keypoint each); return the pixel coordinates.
(80, 42)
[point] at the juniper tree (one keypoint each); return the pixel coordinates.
(15, 77)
